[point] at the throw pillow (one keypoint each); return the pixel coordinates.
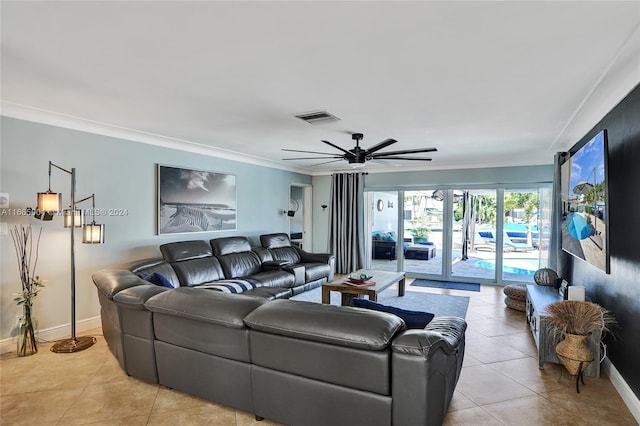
(231, 286)
(412, 319)
(157, 279)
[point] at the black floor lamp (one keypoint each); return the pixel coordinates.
(49, 203)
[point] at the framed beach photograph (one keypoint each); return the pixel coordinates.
(191, 200)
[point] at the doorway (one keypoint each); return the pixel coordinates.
(299, 213)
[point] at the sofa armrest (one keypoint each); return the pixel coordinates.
(444, 333)
(328, 258)
(111, 281)
(426, 368)
(305, 256)
(275, 265)
(298, 272)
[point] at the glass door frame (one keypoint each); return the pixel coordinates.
(447, 240)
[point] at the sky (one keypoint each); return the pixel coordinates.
(588, 159)
(196, 186)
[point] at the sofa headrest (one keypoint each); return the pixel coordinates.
(230, 245)
(185, 250)
(141, 265)
(272, 241)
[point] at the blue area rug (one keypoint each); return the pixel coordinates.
(437, 304)
(446, 284)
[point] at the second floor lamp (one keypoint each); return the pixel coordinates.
(49, 203)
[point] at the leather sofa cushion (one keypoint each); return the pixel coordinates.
(230, 245)
(338, 325)
(135, 297)
(274, 278)
(198, 271)
(239, 265)
(204, 305)
(185, 250)
(288, 254)
(361, 369)
(316, 271)
(273, 241)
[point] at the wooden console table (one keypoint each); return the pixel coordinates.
(538, 298)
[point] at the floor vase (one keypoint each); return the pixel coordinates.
(574, 353)
(26, 333)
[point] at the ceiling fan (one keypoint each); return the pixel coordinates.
(359, 155)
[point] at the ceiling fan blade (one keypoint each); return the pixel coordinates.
(406, 151)
(314, 158)
(383, 157)
(337, 147)
(308, 152)
(326, 162)
(381, 145)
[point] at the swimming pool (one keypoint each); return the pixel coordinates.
(512, 265)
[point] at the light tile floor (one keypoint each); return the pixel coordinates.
(500, 384)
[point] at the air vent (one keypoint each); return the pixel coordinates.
(314, 117)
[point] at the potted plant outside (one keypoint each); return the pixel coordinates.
(420, 234)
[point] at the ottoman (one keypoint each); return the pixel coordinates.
(516, 296)
(420, 252)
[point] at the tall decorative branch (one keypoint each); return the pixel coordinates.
(27, 257)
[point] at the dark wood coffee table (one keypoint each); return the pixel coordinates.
(382, 279)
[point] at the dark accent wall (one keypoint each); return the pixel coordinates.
(619, 291)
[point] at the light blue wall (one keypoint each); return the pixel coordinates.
(494, 177)
(121, 173)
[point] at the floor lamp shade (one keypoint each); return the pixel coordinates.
(49, 201)
(68, 218)
(93, 233)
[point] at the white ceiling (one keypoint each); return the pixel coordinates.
(487, 83)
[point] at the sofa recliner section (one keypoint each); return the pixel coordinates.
(318, 267)
(290, 361)
(239, 261)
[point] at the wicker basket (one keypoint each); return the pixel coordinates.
(574, 353)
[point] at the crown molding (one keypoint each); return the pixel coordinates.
(37, 115)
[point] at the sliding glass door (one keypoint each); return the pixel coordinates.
(460, 234)
(474, 242)
(423, 229)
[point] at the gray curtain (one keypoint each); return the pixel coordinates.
(346, 221)
(555, 242)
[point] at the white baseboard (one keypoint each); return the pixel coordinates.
(54, 333)
(629, 398)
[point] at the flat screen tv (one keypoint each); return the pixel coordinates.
(584, 203)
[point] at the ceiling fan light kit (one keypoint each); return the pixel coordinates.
(358, 156)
